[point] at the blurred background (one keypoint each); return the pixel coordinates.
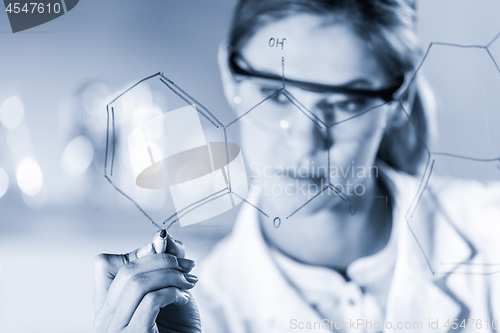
(56, 209)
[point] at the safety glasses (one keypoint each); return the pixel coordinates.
(241, 70)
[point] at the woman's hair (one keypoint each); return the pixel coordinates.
(388, 29)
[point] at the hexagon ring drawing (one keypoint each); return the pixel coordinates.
(205, 179)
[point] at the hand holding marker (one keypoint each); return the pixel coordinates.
(146, 289)
(159, 245)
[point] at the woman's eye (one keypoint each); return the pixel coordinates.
(353, 105)
(278, 98)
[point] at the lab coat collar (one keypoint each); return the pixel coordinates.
(278, 302)
(421, 290)
(416, 293)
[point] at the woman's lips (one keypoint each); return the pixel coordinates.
(307, 175)
(309, 179)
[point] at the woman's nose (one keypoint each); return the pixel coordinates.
(308, 135)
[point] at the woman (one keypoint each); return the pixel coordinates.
(344, 124)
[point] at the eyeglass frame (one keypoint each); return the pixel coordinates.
(387, 94)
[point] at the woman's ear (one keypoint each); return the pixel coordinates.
(397, 115)
(228, 82)
(400, 110)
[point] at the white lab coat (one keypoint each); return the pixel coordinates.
(456, 223)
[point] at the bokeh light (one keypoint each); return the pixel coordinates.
(29, 176)
(94, 100)
(12, 112)
(77, 156)
(284, 124)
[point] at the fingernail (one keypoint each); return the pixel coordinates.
(185, 295)
(173, 239)
(145, 250)
(185, 263)
(191, 278)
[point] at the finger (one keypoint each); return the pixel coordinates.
(144, 265)
(175, 247)
(119, 279)
(105, 268)
(142, 284)
(147, 311)
(141, 252)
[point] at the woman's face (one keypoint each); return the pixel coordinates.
(289, 150)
